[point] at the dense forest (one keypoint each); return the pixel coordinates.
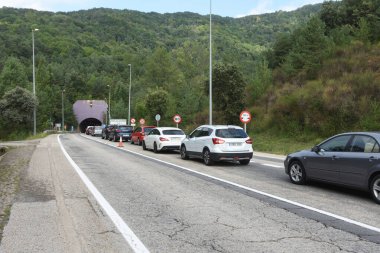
(310, 70)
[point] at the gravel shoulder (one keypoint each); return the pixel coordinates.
(12, 165)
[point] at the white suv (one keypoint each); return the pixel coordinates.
(218, 143)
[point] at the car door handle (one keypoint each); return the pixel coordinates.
(371, 158)
(334, 157)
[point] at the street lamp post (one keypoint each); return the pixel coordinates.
(210, 88)
(34, 85)
(130, 84)
(109, 103)
(63, 112)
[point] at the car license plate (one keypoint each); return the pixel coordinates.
(235, 144)
(125, 135)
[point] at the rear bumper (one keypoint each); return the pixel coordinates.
(124, 138)
(174, 147)
(231, 156)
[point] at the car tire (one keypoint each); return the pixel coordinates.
(244, 162)
(155, 150)
(206, 155)
(375, 189)
(138, 142)
(183, 152)
(144, 146)
(297, 173)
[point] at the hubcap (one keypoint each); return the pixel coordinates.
(296, 172)
(376, 188)
(206, 156)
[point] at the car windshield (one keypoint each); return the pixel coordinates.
(173, 132)
(230, 133)
(147, 130)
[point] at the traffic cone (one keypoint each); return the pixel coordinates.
(120, 145)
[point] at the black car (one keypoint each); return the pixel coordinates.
(106, 131)
(349, 159)
(122, 131)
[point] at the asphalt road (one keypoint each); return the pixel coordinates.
(171, 207)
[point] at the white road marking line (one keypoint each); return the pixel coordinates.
(271, 165)
(360, 224)
(128, 234)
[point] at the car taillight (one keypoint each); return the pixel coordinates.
(249, 141)
(118, 131)
(163, 139)
(217, 141)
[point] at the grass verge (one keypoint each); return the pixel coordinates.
(276, 143)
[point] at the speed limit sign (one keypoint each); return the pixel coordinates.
(142, 121)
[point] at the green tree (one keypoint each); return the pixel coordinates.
(16, 108)
(157, 102)
(12, 75)
(228, 87)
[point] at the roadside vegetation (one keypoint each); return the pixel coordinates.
(304, 75)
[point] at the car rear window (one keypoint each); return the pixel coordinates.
(230, 133)
(147, 130)
(173, 132)
(125, 128)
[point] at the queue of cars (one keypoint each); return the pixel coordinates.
(348, 159)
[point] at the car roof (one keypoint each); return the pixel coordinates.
(168, 128)
(220, 126)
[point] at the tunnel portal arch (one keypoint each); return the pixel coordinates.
(90, 113)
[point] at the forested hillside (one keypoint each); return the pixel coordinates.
(314, 70)
(83, 52)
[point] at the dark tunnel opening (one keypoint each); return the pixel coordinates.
(89, 122)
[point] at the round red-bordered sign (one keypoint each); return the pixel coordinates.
(177, 118)
(245, 117)
(133, 120)
(142, 121)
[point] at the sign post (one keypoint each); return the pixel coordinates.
(245, 117)
(133, 122)
(177, 119)
(158, 117)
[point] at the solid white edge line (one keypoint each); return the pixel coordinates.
(360, 224)
(135, 243)
(271, 165)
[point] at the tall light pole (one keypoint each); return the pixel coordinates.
(109, 103)
(34, 85)
(210, 88)
(129, 103)
(63, 112)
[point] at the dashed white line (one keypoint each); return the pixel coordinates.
(128, 234)
(360, 224)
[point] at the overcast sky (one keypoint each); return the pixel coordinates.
(231, 8)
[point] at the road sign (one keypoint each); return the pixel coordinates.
(133, 120)
(158, 117)
(142, 121)
(177, 118)
(245, 117)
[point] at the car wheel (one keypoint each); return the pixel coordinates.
(207, 157)
(144, 146)
(297, 173)
(138, 142)
(375, 189)
(244, 162)
(183, 152)
(155, 150)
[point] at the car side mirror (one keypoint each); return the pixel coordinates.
(316, 149)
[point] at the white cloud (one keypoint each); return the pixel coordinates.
(261, 7)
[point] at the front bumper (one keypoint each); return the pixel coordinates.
(231, 156)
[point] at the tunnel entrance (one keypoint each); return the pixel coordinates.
(89, 122)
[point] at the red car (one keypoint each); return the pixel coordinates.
(139, 133)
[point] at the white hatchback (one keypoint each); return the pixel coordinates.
(163, 138)
(218, 143)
